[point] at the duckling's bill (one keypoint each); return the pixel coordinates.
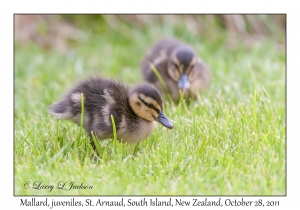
(162, 118)
(183, 82)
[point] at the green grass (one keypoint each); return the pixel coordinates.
(230, 142)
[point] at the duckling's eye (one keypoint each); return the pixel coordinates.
(150, 106)
(176, 66)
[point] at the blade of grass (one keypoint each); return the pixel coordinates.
(96, 143)
(113, 126)
(25, 139)
(254, 113)
(57, 154)
(158, 76)
(81, 120)
(114, 131)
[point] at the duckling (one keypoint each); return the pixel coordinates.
(179, 67)
(135, 110)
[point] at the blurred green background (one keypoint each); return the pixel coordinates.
(113, 45)
(59, 31)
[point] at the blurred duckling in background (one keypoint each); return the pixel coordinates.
(179, 67)
(135, 110)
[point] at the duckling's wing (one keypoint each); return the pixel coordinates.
(60, 109)
(158, 56)
(204, 76)
(70, 106)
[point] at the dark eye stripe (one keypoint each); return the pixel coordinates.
(190, 68)
(150, 106)
(176, 66)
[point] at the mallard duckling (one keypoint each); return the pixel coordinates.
(135, 110)
(179, 67)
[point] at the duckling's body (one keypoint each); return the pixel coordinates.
(102, 98)
(179, 67)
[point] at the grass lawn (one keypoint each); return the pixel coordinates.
(229, 142)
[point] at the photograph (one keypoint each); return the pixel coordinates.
(149, 105)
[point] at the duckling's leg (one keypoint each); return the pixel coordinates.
(93, 138)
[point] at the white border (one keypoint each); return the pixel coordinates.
(187, 6)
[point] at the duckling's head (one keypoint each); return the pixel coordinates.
(181, 66)
(146, 102)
